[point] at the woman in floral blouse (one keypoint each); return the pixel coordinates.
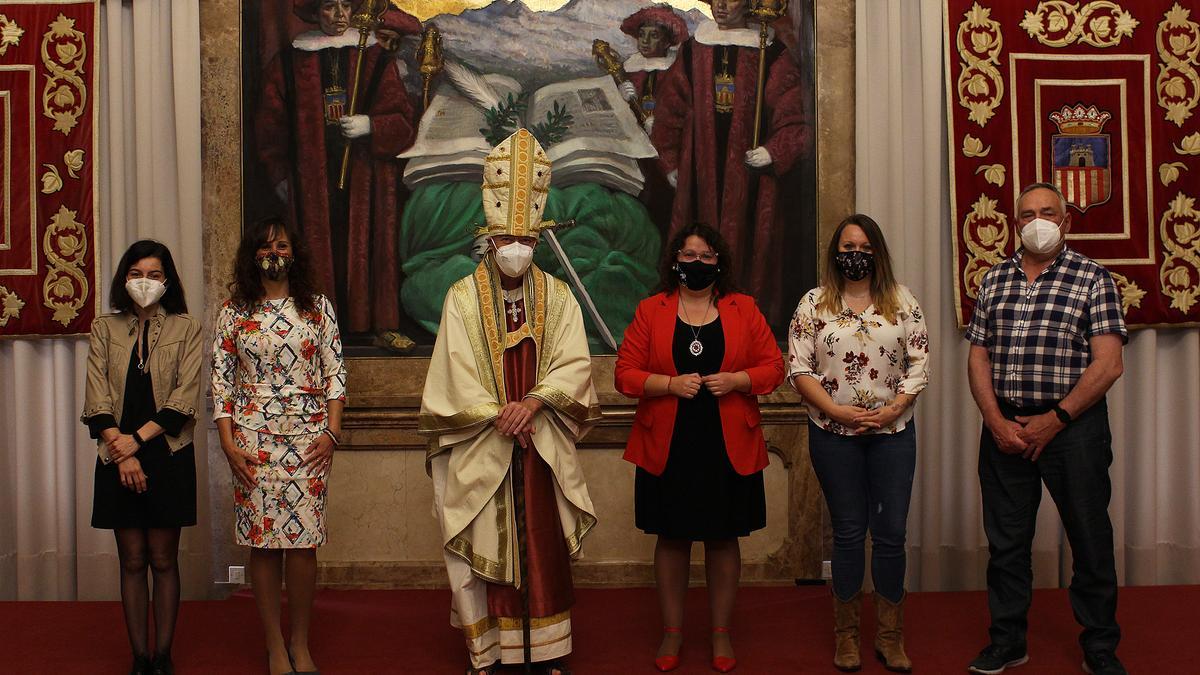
(279, 385)
(857, 353)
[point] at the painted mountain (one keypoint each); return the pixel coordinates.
(537, 48)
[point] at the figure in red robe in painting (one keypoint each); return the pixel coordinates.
(658, 31)
(703, 129)
(302, 128)
(393, 27)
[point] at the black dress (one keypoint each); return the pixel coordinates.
(699, 495)
(170, 496)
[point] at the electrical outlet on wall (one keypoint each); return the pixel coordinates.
(237, 574)
(826, 570)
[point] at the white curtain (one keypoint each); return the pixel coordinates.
(149, 182)
(902, 181)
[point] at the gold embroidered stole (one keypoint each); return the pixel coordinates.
(482, 309)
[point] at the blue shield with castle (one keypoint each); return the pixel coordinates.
(1080, 155)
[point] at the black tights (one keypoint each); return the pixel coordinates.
(158, 549)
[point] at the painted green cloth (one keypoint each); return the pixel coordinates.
(614, 247)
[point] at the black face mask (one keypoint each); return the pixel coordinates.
(855, 265)
(696, 275)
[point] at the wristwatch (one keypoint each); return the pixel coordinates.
(1063, 415)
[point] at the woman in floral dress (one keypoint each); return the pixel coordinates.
(279, 385)
(857, 353)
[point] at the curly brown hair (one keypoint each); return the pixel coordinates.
(246, 289)
(668, 276)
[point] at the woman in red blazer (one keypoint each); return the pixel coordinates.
(696, 357)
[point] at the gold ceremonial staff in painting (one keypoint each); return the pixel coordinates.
(429, 55)
(365, 20)
(767, 12)
(610, 62)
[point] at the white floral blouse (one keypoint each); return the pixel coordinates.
(860, 359)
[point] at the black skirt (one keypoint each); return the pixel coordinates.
(169, 499)
(699, 495)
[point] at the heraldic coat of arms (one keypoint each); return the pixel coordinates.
(1080, 155)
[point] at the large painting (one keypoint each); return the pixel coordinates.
(366, 124)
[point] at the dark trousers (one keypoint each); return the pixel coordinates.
(1074, 467)
(867, 481)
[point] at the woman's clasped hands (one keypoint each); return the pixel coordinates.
(720, 384)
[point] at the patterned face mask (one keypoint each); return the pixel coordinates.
(855, 265)
(274, 265)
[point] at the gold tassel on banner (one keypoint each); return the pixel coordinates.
(767, 12)
(365, 20)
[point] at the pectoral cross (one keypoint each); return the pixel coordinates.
(514, 311)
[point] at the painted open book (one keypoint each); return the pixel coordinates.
(588, 130)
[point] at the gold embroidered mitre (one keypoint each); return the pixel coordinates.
(516, 184)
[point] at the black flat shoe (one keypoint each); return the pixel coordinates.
(162, 665)
(141, 666)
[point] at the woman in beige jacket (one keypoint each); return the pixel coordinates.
(143, 380)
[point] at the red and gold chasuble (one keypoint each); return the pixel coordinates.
(549, 564)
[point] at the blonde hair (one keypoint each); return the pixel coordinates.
(885, 292)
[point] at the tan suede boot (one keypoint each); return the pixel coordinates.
(889, 634)
(845, 625)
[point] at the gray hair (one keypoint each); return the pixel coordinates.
(1039, 186)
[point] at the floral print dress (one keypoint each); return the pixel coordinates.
(274, 371)
(860, 359)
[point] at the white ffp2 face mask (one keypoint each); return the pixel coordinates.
(145, 292)
(513, 259)
(1041, 236)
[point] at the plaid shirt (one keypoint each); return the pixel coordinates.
(1037, 334)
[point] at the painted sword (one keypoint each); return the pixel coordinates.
(572, 276)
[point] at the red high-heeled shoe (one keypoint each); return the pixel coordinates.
(670, 661)
(723, 664)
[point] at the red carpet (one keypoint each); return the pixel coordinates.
(777, 630)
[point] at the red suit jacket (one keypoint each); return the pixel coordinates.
(745, 209)
(646, 351)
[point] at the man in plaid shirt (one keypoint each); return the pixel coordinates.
(1046, 341)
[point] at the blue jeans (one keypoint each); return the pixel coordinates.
(867, 481)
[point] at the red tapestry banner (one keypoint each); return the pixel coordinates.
(1099, 98)
(48, 106)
